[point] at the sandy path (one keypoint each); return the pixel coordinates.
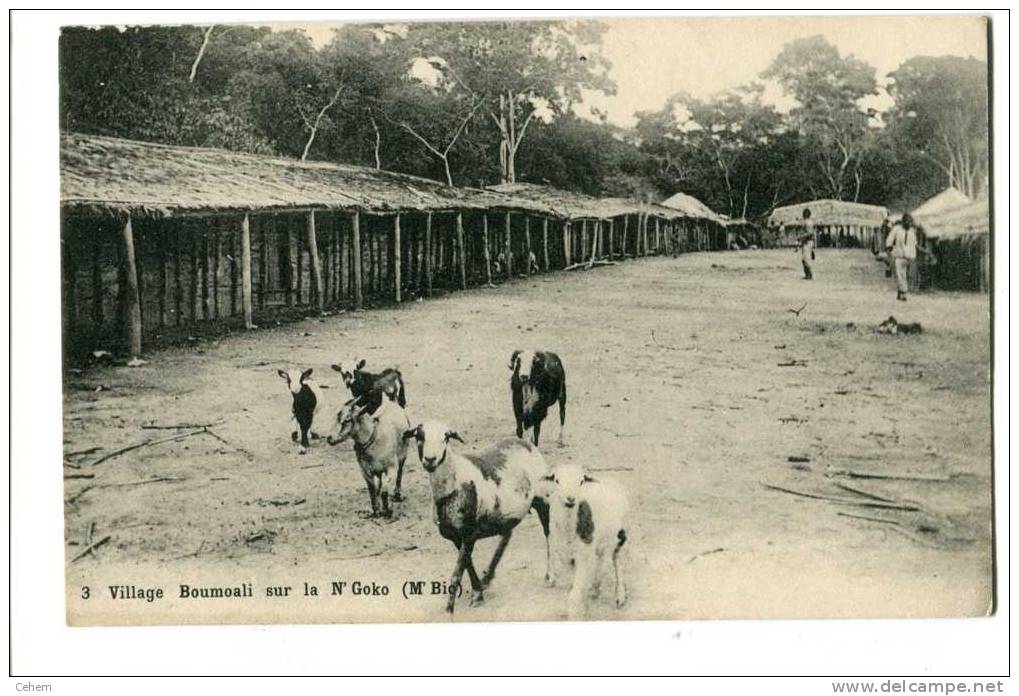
(699, 415)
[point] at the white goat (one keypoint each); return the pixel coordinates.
(480, 495)
(589, 524)
(379, 445)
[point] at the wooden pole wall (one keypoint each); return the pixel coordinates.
(487, 251)
(509, 246)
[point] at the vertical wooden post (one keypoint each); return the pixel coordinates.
(355, 226)
(316, 266)
(544, 242)
(161, 250)
(178, 284)
(327, 265)
(206, 308)
(215, 273)
(626, 226)
(97, 281)
(428, 253)
(246, 272)
(527, 241)
(396, 259)
(462, 249)
(295, 236)
(658, 235)
(193, 280)
(566, 243)
(612, 239)
(134, 309)
(488, 251)
(263, 261)
(71, 276)
(234, 255)
(509, 246)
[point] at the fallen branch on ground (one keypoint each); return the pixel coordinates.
(158, 479)
(704, 553)
(179, 426)
(844, 501)
(898, 527)
(793, 363)
(209, 431)
(797, 311)
(895, 477)
(612, 468)
(88, 450)
(90, 548)
(865, 494)
(147, 443)
(80, 493)
(373, 554)
(586, 265)
(79, 476)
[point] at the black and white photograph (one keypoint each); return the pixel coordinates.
(526, 319)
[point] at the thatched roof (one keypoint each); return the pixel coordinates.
(115, 175)
(951, 197)
(969, 218)
(570, 204)
(691, 207)
(831, 212)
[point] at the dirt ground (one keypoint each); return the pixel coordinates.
(676, 381)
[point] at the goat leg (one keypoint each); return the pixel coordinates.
(490, 573)
(536, 431)
(397, 491)
(454, 582)
(477, 590)
(542, 508)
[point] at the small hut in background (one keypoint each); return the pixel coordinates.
(703, 228)
(836, 223)
(740, 233)
(956, 231)
(162, 242)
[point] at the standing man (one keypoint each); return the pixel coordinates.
(901, 247)
(807, 246)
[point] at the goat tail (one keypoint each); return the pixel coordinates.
(622, 539)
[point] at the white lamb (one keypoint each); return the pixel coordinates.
(588, 522)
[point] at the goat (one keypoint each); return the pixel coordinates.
(479, 496)
(538, 381)
(379, 445)
(303, 405)
(592, 512)
(361, 383)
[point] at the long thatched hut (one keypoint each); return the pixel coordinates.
(836, 223)
(599, 228)
(162, 241)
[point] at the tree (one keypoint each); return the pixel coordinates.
(828, 88)
(941, 112)
(518, 70)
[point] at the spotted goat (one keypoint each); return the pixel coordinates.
(480, 495)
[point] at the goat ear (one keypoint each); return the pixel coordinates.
(453, 435)
(337, 368)
(283, 375)
(360, 363)
(513, 359)
(413, 432)
(306, 374)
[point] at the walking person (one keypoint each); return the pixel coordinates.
(807, 246)
(901, 247)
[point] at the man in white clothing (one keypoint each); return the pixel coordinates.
(901, 247)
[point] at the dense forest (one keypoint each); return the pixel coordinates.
(482, 103)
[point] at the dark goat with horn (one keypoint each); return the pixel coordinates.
(538, 381)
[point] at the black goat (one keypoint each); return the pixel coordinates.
(304, 402)
(538, 381)
(372, 385)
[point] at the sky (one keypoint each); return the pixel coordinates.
(653, 58)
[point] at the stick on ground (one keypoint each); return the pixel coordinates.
(844, 501)
(147, 443)
(90, 548)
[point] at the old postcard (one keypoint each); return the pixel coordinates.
(573, 319)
